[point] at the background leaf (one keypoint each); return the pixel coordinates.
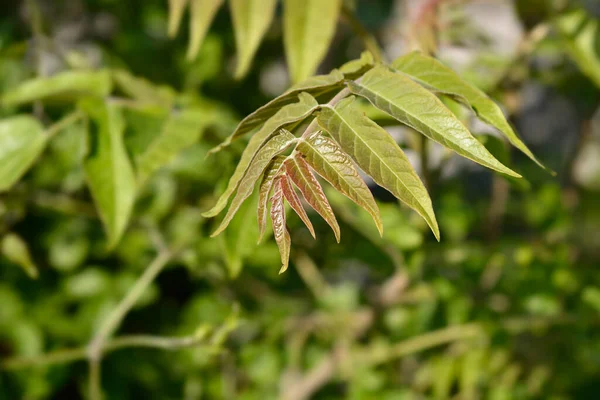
(109, 172)
(176, 10)
(22, 140)
(309, 26)
(15, 249)
(202, 14)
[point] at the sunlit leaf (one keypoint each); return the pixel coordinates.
(308, 27)
(421, 110)
(181, 130)
(327, 158)
(109, 172)
(22, 140)
(67, 85)
(356, 68)
(275, 146)
(299, 172)
(288, 114)
(202, 14)
(374, 150)
(176, 9)
(292, 198)
(266, 186)
(251, 20)
(436, 76)
(314, 86)
(581, 34)
(143, 90)
(282, 236)
(15, 249)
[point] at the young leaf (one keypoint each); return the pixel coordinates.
(275, 146)
(181, 130)
(15, 249)
(72, 84)
(436, 76)
(286, 115)
(374, 150)
(299, 172)
(290, 195)
(266, 186)
(251, 19)
(282, 236)
(357, 68)
(22, 140)
(176, 9)
(421, 110)
(314, 86)
(308, 28)
(202, 14)
(327, 158)
(109, 172)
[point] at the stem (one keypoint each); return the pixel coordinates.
(63, 123)
(367, 38)
(314, 126)
(113, 321)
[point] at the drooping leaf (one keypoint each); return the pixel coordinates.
(109, 172)
(286, 115)
(143, 90)
(421, 110)
(308, 28)
(176, 9)
(436, 76)
(314, 86)
(275, 146)
(292, 198)
(22, 140)
(266, 186)
(15, 249)
(181, 130)
(69, 85)
(282, 236)
(251, 20)
(581, 34)
(202, 14)
(374, 150)
(327, 158)
(299, 172)
(356, 68)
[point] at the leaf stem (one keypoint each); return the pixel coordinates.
(64, 122)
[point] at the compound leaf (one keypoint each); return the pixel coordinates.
(299, 172)
(436, 76)
(326, 157)
(251, 19)
(308, 28)
(290, 195)
(417, 107)
(276, 145)
(288, 114)
(374, 150)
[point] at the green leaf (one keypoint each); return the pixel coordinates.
(109, 172)
(308, 28)
(374, 150)
(282, 236)
(202, 14)
(315, 86)
(581, 34)
(69, 84)
(176, 9)
(418, 108)
(143, 90)
(275, 146)
(299, 172)
(356, 68)
(272, 171)
(327, 158)
(286, 115)
(251, 20)
(14, 248)
(292, 197)
(181, 130)
(22, 140)
(437, 77)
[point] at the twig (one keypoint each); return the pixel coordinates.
(65, 122)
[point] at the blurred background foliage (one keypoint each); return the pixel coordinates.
(507, 306)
